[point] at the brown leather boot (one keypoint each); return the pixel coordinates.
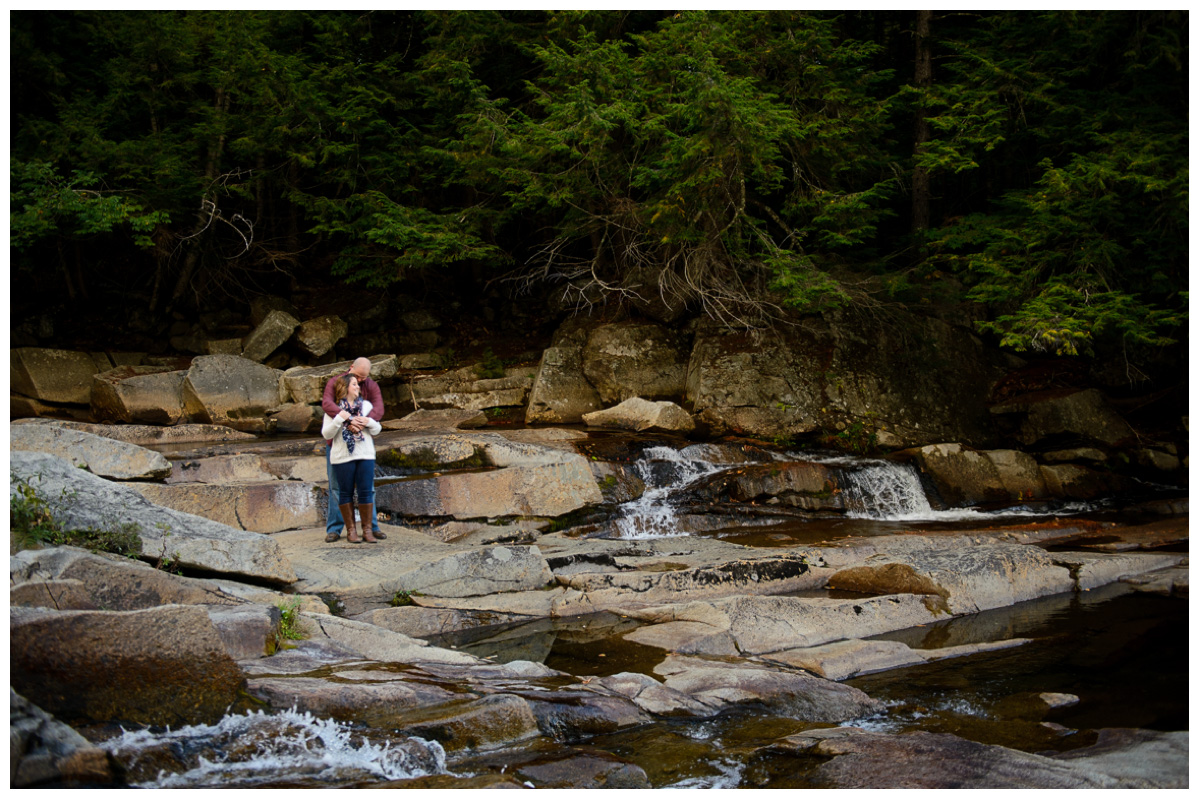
(348, 518)
(366, 513)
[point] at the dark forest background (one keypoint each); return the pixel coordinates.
(1027, 170)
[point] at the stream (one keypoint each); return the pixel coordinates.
(1123, 654)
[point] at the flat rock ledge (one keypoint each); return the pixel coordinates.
(856, 759)
(79, 501)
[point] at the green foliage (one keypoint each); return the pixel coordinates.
(289, 622)
(1093, 249)
(43, 204)
(401, 598)
(745, 163)
(32, 524)
(858, 437)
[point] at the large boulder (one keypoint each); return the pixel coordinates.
(637, 414)
(624, 360)
(316, 337)
(962, 476)
(159, 666)
(262, 506)
(52, 376)
(269, 335)
(910, 381)
(80, 500)
(307, 384)
(1078, 417)
(104, 457)
(149, 395)
(561, 392)
(801, 484)
(231, 391)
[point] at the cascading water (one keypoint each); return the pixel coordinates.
(885, 491)
(257, 749)
(665, 472)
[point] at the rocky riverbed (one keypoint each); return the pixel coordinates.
(700, 584)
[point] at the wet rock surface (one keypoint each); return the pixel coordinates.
(695, 629)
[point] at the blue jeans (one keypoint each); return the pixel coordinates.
(333, 515)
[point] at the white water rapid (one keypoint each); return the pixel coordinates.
(665, 472)
(257, 749)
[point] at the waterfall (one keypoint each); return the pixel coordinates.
(665, 471)
(885, 491)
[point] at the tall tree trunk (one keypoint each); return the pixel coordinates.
(923, 78)
(205, 214)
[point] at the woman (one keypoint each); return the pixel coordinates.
(353, 456)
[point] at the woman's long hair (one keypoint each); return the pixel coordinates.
(341, 389)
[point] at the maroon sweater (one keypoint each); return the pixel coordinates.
(369, 390)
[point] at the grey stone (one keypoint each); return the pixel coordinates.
(46, 752)
(421, 361)
(151, 434)
(306, 385)
(560, 391)
(1136, 759)
(378, 644)
(104, 457)
(968, 574)
(248, 631)
(857, 759)
(487, 723)
(148, 395)
(636, 414)
(269, 335)
(266, 506)
(437, 419)
(624, 360)
(792, 693)
(220, 469)
(1085, 414)
(231, 391)
(297, 418)
(316, 337)
(52, 376)
(193, 542)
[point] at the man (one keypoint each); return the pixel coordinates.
(361, 369)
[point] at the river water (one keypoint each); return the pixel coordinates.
(1123, 654)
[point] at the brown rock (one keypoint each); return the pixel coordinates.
(160, 666)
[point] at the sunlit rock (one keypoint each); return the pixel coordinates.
(53, 376)
(148, 395)
(79, 500)
(104, 457)
(637, 414)
(232, 391)
(624, 360)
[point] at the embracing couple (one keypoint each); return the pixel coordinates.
(353, 407)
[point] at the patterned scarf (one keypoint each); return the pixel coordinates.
(355, 410)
